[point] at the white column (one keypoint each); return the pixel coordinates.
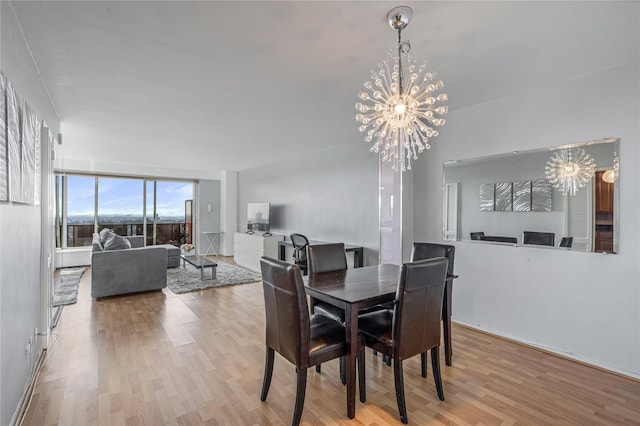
(396, 214)
(228, 211)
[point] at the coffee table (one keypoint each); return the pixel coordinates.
(200, 263)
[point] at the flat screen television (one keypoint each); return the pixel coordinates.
(258, 217)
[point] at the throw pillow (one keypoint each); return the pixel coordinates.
(116, 242)
(104, 234)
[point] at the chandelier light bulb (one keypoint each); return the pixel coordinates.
(399, 112)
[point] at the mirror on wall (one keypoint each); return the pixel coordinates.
(565, 197)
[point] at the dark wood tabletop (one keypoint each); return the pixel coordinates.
(357, 285)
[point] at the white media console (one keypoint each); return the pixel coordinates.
(249, 248)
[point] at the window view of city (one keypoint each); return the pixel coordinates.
(120, 206)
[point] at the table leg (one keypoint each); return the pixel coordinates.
(358, 258)
(281, 252)
(201, 273)
(351, 329)
(210, 240)
(446, 319)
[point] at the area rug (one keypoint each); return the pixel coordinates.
(183, 280)
(65, 289)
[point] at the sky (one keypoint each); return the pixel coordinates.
(125, 196)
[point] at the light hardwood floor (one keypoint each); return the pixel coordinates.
(197, 358)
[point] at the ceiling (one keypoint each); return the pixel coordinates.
(238, 85)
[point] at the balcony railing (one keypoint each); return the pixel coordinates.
(175, 233)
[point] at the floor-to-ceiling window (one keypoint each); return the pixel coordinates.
(79, 201)
(120, 205)
(87, 204)
(167, 215)
(58, 210)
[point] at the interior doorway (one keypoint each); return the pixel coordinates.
(603, 230)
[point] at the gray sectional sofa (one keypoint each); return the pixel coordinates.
(117, 269)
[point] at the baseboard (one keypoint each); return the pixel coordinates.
(56, 315)
(621, 373)
(23, 403)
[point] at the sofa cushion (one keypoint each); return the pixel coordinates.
(172, 251)
(173, 255)
(104, 234)
(116, 242)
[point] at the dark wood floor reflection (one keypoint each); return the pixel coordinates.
(197, 358)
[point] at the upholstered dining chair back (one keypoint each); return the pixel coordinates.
(286, 311)
(423, 251)
(477, 235)
(326, 258)
(418, 310)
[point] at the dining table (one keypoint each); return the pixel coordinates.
(356, 289)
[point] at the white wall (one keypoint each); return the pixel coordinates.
(582, 305)
(21, 287)
(330, 195)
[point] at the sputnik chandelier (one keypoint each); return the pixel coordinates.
(569, 170)
(397, 113)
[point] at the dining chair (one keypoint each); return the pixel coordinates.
(477, 235)
(422, 251)
(302, 339)
(566, 242)
(538, 238)
(327, 258)
(300, 243)
(411, 328)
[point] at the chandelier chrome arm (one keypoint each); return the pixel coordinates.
(400, 69)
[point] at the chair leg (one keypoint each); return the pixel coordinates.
(268, 371)
(361, 373)
(398, 376)
(343, 374)
(318, 368)
(435, 366)
(423, 363)
(300, 391)
(386, 360)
